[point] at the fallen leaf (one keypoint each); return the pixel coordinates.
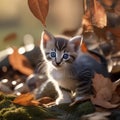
(10, 37)
(118, 90)
(115, 31)
(45, 100)
(100, 82)
(117, 8)
(99, 17)
(34, 102)
(39, 8)
(86, 22)
(84, 47)
(107, 2)
(20, 62)
(26, 100)
(94, 16)
(116, 94)
(104, 89)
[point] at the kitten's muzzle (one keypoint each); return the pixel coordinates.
(58, 63)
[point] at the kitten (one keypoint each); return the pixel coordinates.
(68, 67)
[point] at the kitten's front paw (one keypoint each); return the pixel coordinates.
(80, 100)
(62, 100)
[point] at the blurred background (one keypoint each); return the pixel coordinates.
(19, 28)
(16, 20)
(20, 33)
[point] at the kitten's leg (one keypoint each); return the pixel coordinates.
(63, 96)
(84, 86)
(66, 97)
(38, 92)
(83, 91)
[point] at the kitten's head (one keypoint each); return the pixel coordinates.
(59, 50)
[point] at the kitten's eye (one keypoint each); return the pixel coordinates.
(65, 56)
(53, 54)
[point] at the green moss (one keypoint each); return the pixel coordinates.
(11, 111)
(38, 112)
(5, 103)
(74, 112)
(15, 114)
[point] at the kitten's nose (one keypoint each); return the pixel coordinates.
(58, 63)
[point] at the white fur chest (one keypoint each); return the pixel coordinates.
(63, 78)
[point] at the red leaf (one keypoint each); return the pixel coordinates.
(39, 8)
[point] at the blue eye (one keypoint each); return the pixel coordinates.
(53, 54)
(65, 56)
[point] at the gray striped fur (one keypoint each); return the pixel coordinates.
(77, 71)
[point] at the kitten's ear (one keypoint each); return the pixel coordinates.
(77, 41)
(46, 37)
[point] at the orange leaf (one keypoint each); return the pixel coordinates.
(20, 62)
(26, 100)
(39, 8)
(84, 47)
(34, 102)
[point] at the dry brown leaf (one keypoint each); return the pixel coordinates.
(99, 17)
(94, 16)
(39, 8)
(84, 47)
(116, 95)
(20, 62)
(45, 100)
(34, 102)
(10, 37)
(100, 82)
(86, 22)
(104, 90)
(107, 2)
(115, 31)
(26, 100)
(118, 90)
(117, 8)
